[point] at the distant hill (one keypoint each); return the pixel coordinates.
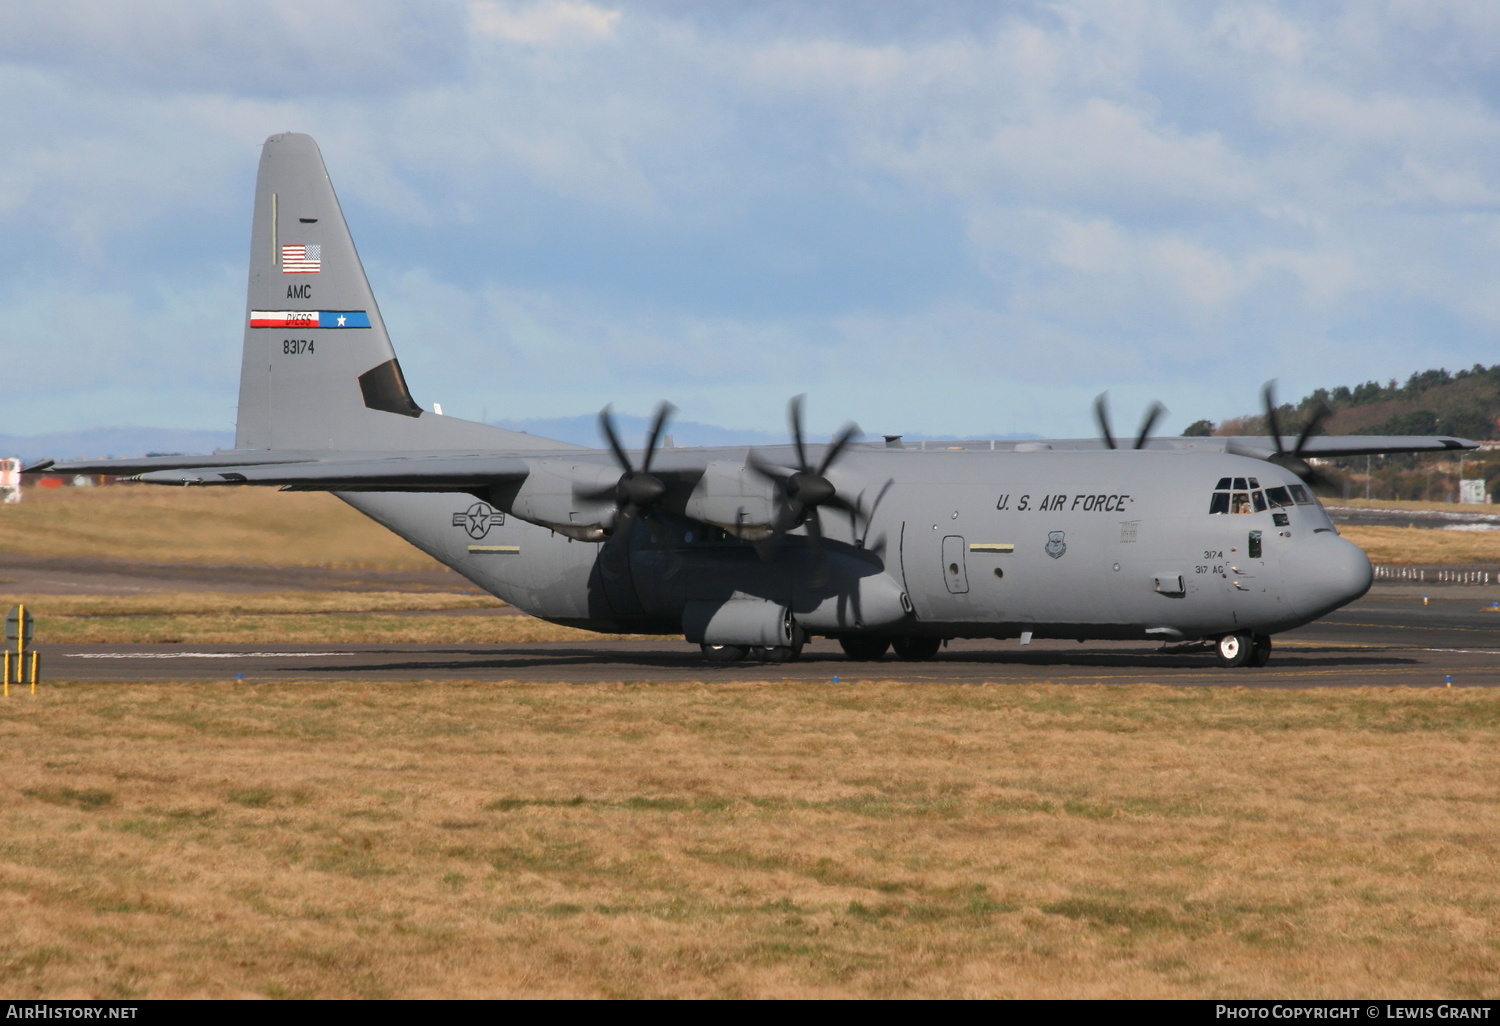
(1465, 403)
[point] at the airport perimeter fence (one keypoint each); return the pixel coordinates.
(1435, 575)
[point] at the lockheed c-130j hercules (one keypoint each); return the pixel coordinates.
(1216, 541)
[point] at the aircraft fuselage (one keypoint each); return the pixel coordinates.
(1109, 545)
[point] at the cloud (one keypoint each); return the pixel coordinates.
(963, 214)
(543, 23)
(277, 48)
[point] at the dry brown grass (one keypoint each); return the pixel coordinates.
(154, 524)
(335, 617)
(452, 839)
(1403, 545)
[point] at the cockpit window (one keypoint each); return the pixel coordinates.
(1246, 496)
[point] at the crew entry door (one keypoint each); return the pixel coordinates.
(955, 573)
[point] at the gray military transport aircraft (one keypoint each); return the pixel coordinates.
(1213, 544)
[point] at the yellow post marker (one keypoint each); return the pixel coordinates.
(19, 628)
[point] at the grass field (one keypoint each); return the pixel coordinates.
(152, 524)
(1414, 545)
(294, 617)
(771, 840)
(318, 839)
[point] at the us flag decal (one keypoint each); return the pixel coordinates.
(301, 259)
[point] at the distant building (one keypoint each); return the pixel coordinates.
(10, 479)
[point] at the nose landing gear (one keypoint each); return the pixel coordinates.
(1243, 649)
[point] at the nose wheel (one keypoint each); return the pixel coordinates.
(1243, 649)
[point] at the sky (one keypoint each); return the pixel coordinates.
(947, 218)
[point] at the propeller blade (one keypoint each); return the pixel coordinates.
(636, 490)
(663, 412)
(1268, 396)
(769, 471)
(1154, 414)
(794, 418)
(607, 425)
(1101, 417)
(845, 436)
(594, 494)
(850, 506)
(1293, 460)
(1320, 413)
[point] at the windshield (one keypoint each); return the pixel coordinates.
(1235, 495)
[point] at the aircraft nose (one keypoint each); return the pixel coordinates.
(1325, 572)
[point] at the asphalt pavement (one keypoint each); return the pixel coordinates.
(1390, 638)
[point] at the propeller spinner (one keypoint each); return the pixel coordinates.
(637, 490)
(802, 491)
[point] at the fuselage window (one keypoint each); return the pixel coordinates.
(1260, 499)
(1220, 502)
(1223, 485)
(1239, 484)
(1300, 495)
(1278, 496)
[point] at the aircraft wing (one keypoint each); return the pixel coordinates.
(146, 464)
(1324, 447)
(407, 471)
(1257, 446)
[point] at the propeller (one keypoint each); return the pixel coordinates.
(1154, 413)
(802, 491)
(1294, 460)
(638, 490)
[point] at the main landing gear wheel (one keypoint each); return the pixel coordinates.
(1235, 649)
(724, 653)
(1260, 652)
(865, 648)
(917, 649)
(781, 653)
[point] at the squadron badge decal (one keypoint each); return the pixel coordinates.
(1055, 544)
(478, 519)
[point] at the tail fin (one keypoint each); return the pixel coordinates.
(318, 369)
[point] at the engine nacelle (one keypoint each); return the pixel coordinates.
(553, 496)
(731, 496)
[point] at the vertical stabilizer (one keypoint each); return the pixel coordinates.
(319, 371)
